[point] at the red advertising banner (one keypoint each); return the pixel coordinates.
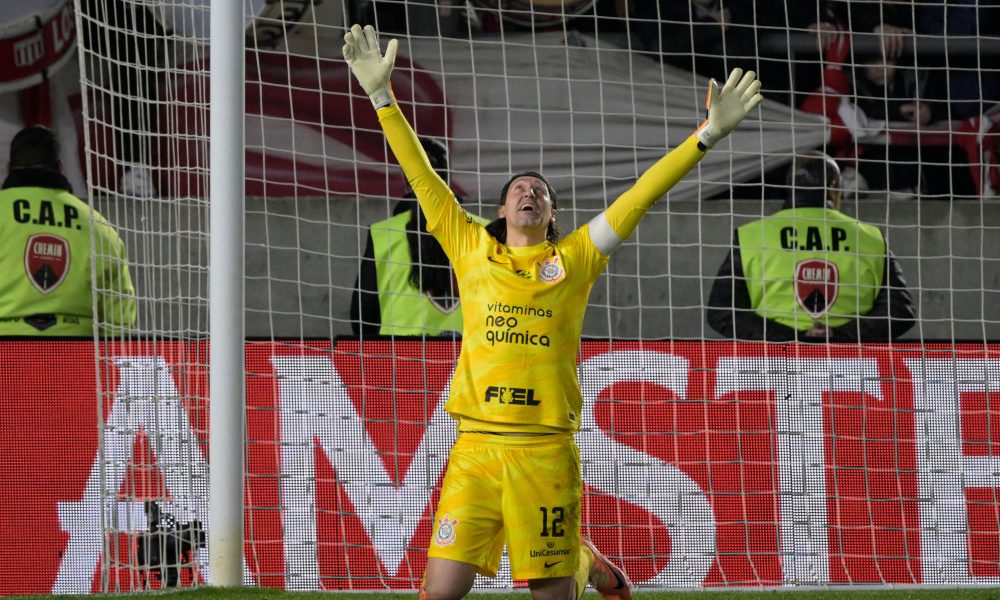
(704, 463)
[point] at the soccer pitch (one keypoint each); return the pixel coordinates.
(909, 593)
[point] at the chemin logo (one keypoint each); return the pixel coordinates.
(817, 285)
(46, 261)
(511, 395)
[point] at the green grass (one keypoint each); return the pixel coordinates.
(910, 593)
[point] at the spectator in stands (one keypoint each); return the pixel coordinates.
(769, 32)
(770, 28)
(406, 285)
(606, 19)
(124, 43)
(809, 272)
(416, 17)
(696, 35)
(865, 103)
(966, 80)
(53, 272)
(514, 471)
(891, 22)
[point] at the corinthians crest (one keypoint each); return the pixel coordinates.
(550, 271)
(445, 535)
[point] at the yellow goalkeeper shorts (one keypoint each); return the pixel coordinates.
(525, 491)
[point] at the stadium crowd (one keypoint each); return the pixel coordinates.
(901, 82)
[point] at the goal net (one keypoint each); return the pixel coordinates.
(708, 459)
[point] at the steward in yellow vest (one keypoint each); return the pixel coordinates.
(809, 272)
(63, 263)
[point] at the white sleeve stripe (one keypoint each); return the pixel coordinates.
(603, 236)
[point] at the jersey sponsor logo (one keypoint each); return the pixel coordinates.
(549, 552)
(511, 395)
(445, 535)
(506, 330)
(549, 565)
(525, 338)
(816, 285)
(46, 261)
(515, 309)
(550, 271)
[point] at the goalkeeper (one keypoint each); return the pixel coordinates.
(514, 472)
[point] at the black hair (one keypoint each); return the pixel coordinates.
(810, 177)
(498, 227)
(35, 146)
(437, 154)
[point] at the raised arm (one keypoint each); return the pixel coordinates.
(373, 71)
(726, 108)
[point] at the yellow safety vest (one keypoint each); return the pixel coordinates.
(50, 268)
(814, 264)
(404, 309)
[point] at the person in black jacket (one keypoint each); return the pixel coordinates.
(814, 239)
(430, 272)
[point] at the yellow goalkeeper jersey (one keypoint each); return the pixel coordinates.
(522, 307)
(523, 311)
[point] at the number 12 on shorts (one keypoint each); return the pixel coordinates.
(552, 521)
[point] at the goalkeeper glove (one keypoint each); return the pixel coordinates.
(370, 68)
(727, 108)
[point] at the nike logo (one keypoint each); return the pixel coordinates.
(552, 564)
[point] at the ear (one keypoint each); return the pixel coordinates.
(554, 213)
(835, 195)
(501, 211)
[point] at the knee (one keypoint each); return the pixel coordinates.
(558, 588)
(443, 590)
(447, 579)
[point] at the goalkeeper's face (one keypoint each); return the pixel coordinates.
(528, 205)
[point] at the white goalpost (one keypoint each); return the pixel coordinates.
(226, 291)
(256, 427)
